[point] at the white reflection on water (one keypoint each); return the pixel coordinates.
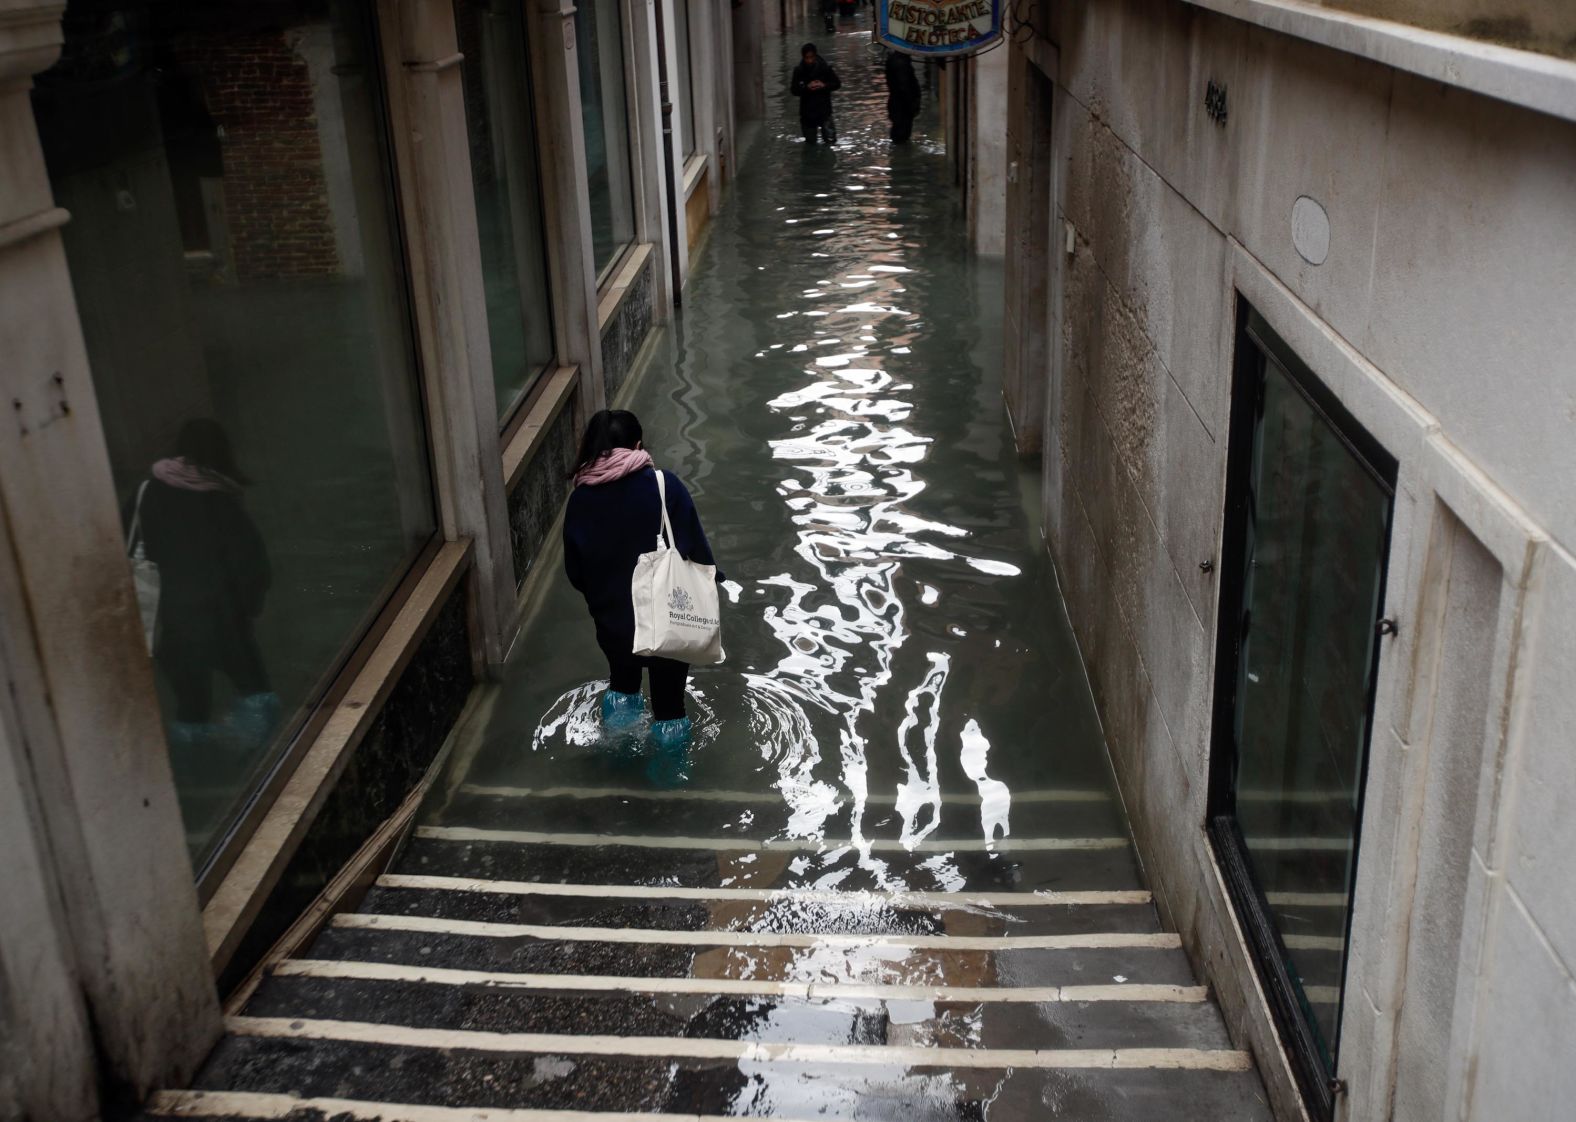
(855, 475)
(995, 799)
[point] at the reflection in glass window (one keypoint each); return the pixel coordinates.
(502, 134)
(237, 268)
(599, 37)
(688, 138)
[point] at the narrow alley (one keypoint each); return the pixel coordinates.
(893, 878)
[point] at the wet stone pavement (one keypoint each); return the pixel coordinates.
(892, 879)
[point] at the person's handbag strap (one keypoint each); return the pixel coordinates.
(665, 538)
(134, 534)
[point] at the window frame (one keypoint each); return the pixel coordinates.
(1256, 343)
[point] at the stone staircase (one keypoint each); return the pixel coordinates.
(686, 968)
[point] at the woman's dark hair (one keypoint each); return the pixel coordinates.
(204, 442)
(606, 430)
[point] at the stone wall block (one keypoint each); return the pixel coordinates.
(1543, 833)
(1315, 122)
(1472, 250)
(1526, 1022)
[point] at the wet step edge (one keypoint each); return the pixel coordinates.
(719, 818)
(584, 984)
(711, 1049)
(1130, 940)
(761, 910)
(222, 1106)
(864, 965)
(963, 1018)
(1106, 869)
(742, 844)
(768, 796)
(754, 1080)
(597, 1090)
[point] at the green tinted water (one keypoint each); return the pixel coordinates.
(900, 672)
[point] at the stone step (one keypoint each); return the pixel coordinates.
(767, 814)
(762, 909)
(366, 992)
(485, 1072)
(698, 863)
(1094, 960)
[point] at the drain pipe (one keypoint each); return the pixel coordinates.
(667, 151)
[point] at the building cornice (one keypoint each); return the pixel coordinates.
(1534, 81)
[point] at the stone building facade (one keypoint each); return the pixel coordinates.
(1287, 320)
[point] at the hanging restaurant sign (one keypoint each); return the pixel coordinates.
(938, 28)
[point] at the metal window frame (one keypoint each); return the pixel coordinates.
(1256, 343)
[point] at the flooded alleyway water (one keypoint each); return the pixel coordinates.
(892, 880)
(901, 691)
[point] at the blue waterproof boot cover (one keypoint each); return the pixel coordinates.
(621, 710)
(669, 743)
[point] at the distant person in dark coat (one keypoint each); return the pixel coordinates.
(902, 95)
(612, 518)
(213, 577)
(814, 80)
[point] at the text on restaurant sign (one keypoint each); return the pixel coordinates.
(939, 27)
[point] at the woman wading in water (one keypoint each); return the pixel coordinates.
(610, 521)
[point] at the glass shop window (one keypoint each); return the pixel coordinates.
(599, 38)
(238, 270)
(505, 175)
(688, 138)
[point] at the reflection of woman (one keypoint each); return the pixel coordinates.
(213, 576)
(612, 518)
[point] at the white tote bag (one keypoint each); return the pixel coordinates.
(144, 573)
(678, 613)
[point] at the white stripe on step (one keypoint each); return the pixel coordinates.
(674, 1047)
(262, 1105)
(649, 841)
(646, 935)
(1307, 899)
(1313, 942)
(911, 900)
(695, 794)
(730, 987)
(1300, 845)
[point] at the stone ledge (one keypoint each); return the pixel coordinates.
(1532, 81)
(524, 442)
(619, 284)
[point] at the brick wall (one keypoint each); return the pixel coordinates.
(259, 92)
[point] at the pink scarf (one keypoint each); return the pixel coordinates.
(613, 465)
(187, 476)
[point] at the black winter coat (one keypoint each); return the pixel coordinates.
(607, 526)
(815, 106)
(903, 92)
(211, 558)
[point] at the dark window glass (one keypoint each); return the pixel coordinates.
(504, 171)
(689, 139)
(1308, 534)
(599, 37)
(239, 276)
